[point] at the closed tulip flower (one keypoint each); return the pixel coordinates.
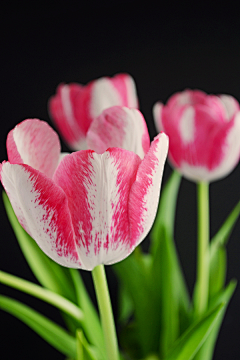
(83, 209)
(204, 133)
(120, 127)
(75, 106)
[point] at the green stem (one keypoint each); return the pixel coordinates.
(106, 314)
(203, 249)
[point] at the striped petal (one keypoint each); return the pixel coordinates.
(222, 145)
(107, 92)
(74, 106)
(119, 127)
(42, 209)
(69, 110)
(144, 194)
(230, 104)
(97, 187)
(35, 143)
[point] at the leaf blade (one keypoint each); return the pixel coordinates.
(189, 343)
(207, 349)
(47, 329)
(46, 295)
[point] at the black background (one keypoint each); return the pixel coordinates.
(166, 49)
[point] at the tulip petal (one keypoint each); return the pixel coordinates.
(69, 110)
(223, 145)
(42, 209)
(107, 92)
(187, 97)
(230, 104)
(119, 127)
(144, 194)
(97, 187)
(35, 143)
(125, 85)
(157, 115)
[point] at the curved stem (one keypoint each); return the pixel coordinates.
(106, 314)
(203, 249)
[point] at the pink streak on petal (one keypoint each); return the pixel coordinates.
(69, 109)
(97, 187)
(126, 88)
(35, 143)
(201, 151)
(216, 108)
(74, 177)
(13, 154)
(144, 194)
(42, 209)
(127, 164)
(107, 130)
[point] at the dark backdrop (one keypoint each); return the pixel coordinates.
(165, 49)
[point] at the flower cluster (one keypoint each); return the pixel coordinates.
(95, 205)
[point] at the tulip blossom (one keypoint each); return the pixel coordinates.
(204, 133)
(119, 127)
(83, 209)
(75, 106)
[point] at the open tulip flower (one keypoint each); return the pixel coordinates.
(75, 106)
(83, 209)
(204, 133)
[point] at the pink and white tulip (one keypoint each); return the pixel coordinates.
(204, 133)
(83, 209)
(75, 106)
(120, 127)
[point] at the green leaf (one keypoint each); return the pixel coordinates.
(152, 357)
(218, 269)
(218, 256)
(190, 342)
(166, 211)
(48, 330)
(165, 278)
(126, 307)
(91, 322)
(134, 276)
(84, 350)
(224, 232)
(207, 349)
(166, 273)
(44, 294)
(164, 226)
(51, 275)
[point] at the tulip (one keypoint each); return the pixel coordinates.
(75, 106)
(204, 133)
(83, 209)
(119, 127)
